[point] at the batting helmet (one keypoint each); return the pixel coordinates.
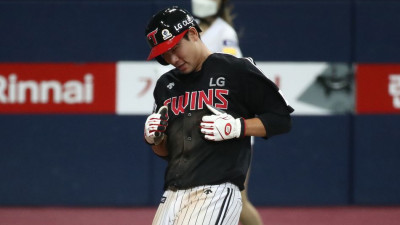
(166, 29)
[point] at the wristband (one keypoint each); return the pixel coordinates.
(242, 127)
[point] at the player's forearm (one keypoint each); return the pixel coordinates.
(275, 124)
(254, 127)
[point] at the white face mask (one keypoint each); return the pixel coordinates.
(204, 8)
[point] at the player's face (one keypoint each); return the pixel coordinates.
(184, 55)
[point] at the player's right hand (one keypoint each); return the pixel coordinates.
(155, 126)
(221, 126)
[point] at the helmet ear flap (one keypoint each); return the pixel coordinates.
(161, 60)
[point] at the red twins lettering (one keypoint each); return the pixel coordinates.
(203, 98)
(197, 100)
(179, 107)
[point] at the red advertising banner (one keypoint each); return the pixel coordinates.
(378, 88)
(57, 88)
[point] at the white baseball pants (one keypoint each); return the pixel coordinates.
(204, 205)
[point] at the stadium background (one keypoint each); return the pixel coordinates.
(100, 159)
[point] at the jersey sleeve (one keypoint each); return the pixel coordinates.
(266, 101)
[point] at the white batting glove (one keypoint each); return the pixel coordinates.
(155, 126)
(221, 126)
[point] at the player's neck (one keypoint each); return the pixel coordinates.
(204, 54)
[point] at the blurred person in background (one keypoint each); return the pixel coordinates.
(216, 21)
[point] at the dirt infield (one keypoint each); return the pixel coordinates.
(141, 216)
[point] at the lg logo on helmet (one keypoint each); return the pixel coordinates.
(183, 23)
(228, 129)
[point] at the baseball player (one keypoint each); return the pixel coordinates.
(215, 21)
(205, 111)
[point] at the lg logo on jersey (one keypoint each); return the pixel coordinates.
(220, 82)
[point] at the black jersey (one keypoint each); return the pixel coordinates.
(234, 85)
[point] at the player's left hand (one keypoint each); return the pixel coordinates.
(155, 126)
(221, 126)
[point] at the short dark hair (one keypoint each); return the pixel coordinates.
(186, 36)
